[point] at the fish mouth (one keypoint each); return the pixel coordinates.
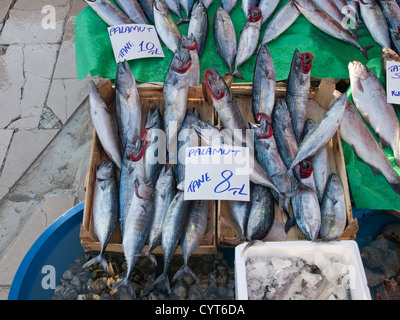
(210, 78)
(255, 14)
(307, 59)
(185, 60)
(306, 169)
(137, 156)
(265, 123)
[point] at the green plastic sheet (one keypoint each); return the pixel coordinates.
(94, 56)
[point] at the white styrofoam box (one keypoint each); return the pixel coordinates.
(345, 251)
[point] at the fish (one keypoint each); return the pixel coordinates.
(267, 7)
(187, 6)
(136, 226)
(322, 132)
(264, 83)
(327, 24)
(271, 162)
(355, 132)
(333, 210)
(105, 209)
(225, 37)
(154, 156)
(262, 214)
(247, 4)
(305, 204)
(369, 97)
(133, 11)
(190, 43)
(330, 8)
(127, 104)
(320, 161)
(198, 25)
(165, 25)
(194, 230)
(387, 54)
(105, 126)
(109, 12)
(248, 40)
(171, 233)
(240, 211)
(297, 87)
(375, 22)
(228, 5)
(175, 93)
(280, 22)
(391, 11)
(207, 3)
(232, 120)
(174, 6)
(187, 138)
(395, 37)
(147, 6)
(165, 191)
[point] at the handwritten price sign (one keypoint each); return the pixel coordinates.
(393, 82)
(217, 173)
(134, 41)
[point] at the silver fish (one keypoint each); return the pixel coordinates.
(355, 132)
(240, 211)
(147, 6)
(133, 11)
(375, 21)
(320, 161)
(175, 92)
(247, 4)
(327, 24)
(225, 37)
(298, 85)
(305, 205)
(194, 230)
(395, 37)
(198, 25)
(187, 6)
(190, 43)
(232, 120)
(330, 8)
(323, 131)
(333, 210)
(136, 226)
(264, 83)
(267, 7)
(248, 40)
(104, 125)
(228, 5)
(280, 22)
(172, 229)
(262, 214)
(388, 54)
(127, 104)
(391, 11)
(105, 209)
(165, 25)
(207, 3)
(108, 12)
(174, 6)
(164, 193)
(369, 97)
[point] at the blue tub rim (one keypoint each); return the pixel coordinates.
(15, 288)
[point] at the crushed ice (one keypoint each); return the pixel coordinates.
(288, 278)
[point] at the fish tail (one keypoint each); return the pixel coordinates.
(184, 270)
(182, 20)
(163, 278)
(151, 256)
(252, 243)
(289, 223)
(364, 51)
(99, 259)
(237, 74)
(124, 283)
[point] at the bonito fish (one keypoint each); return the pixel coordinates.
(333, 210)
(108, 12)
(133, 11)
(127, 104)
(105, 208)
(248, 39)
(104, 125)
(190, 43)
(369, 97)
(267, 7)
(228, 5)
(165, 25)
(391, 11)
(247, 4)
(147, 6)
(198, 25)
(240, 211)
(355, 132)
(375, 21)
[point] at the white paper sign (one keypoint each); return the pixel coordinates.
(134, 41)
(393, 82)
(217, 173)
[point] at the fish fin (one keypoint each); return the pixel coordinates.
(124, 283)
(184, 270)
(182, 20)
(359, 85)
(252, 243)
(364, 51)
(237, 74)
(384, 143)
(291, 222)
(375, 170)
(163, 278)
(99, 259)
(395, 186)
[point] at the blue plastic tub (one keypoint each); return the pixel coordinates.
(55, 250)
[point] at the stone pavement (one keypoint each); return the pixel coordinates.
(45, 128)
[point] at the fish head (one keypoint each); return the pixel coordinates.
(389, 55)
(134, 151)
(124, 79)
(105, 170)
(161, 6)
(221, 15)
(144, 189)
(335, 184)
(264, 128)
(181, 61)
(199, 9)
(281, 111)
(166, 178)
(305, 62)
(189, 43)
(358, 70)
(255, 14)
(306, 169)
(153, 119)
(215, 84)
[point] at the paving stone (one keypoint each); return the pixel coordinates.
(51, 209)
(4, 7)
(66, 62)
(27, 27)
(39, 4)
(34, 62)
(25, 147)
(5, 138)
(76, 7)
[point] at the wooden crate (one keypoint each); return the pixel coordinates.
(151, 96)
(320, 98)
